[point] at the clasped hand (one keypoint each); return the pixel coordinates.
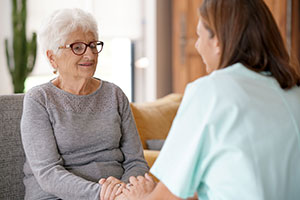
(137, 188)
(111, 189)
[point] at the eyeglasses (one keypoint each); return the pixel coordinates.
(79, 48)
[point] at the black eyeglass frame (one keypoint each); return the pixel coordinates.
(86, 45)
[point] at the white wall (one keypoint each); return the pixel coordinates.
(112, 21)
(116, 18)
(150, 49)
(136, 19)
(5, 32)
(155, 79)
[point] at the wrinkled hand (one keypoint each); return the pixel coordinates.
(121, 197)
(110, 188)
(139, 187)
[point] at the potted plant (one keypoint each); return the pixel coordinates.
(21, 57)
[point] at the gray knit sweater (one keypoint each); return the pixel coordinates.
(72, 141)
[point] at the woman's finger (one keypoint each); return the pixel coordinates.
(110, 192)
(103, 189)
(141, 178)
(128, 186)
(126, 191)
(134, 192)
(109, 188)
(149, 178)
(119, 191)
(133, 180)
(102, 181)
(114, 191)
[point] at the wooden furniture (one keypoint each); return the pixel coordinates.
(188, 65)
(286, 14)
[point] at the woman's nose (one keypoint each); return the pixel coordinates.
(88, 52)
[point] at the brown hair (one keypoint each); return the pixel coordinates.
(248, 34)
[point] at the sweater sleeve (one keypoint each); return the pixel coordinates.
(44, 158)
(134, 163)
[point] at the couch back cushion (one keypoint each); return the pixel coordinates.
(12, 156)
(154, 119)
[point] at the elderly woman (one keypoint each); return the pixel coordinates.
(236, 135)
(77, 129)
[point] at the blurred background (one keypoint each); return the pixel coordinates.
(149, 44)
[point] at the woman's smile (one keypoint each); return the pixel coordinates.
(86, 64)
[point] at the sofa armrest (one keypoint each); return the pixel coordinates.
(150, 156)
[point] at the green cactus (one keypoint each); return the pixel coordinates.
(21, 60)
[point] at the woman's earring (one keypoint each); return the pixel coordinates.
(55, 71)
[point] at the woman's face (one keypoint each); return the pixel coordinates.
(71, 66)
(208, 47)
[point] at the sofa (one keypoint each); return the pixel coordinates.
(153, 121)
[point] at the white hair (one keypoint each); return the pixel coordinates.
(55, 30)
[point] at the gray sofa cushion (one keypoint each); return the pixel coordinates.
(11, 151)
(155, 144)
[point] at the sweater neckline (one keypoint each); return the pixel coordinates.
(75, 95)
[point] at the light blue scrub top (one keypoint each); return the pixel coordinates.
(236, 136)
